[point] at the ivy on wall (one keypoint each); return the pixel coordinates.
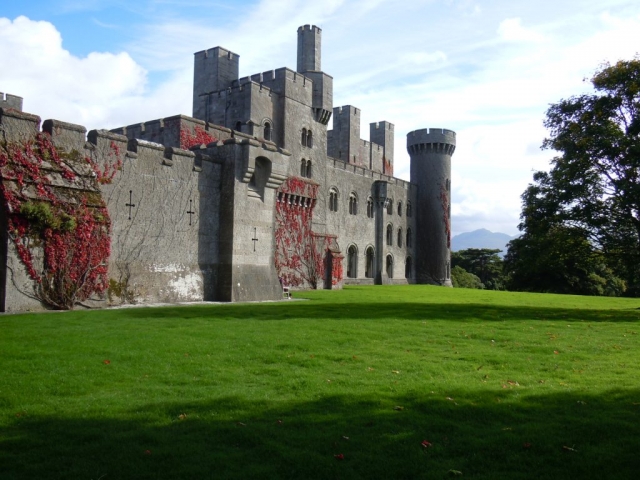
(444, 200)
(301, 255)
(56, 217)
(199, 136)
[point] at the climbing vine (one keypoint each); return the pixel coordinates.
(56, 217)
(388, 166)
(444, 200)
(301, 254)
(199, 137)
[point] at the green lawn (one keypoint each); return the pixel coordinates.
(502, 386)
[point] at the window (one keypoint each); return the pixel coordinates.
(267, 131)
(408, 268)
(389, 266)
(409, 239)
(333, 200)
(308, 168)
(409, 212)
(303, 137)
(368, 271)
(309, 139)
(352, 262)
(400, 209)
(353, 204)
(370, 207)
(400, 237)
(303, 168)
(238, 126)
(389, 235)
(389, 206)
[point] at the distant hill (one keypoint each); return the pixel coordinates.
(482, 238)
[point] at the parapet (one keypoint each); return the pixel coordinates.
(310, 28)
(438, 140)
(10, 101)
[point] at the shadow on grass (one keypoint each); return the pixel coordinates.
(483, 436)
(367, 311)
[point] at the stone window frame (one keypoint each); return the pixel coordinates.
(389, 235)
(369, 261)
(370, 207)
(408, 267)
(353, 203)
(334, 195)
(389, 265)
(399, 242)
(409, 241)
(400, 208)
(409, 210)
(267, 129)
(306, 138)
(305, 168)
(389, 206)
(352, 261)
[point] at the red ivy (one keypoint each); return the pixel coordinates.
(199, 137)
(300, 253)
(65, 244)
(444, 199)
(388, 167)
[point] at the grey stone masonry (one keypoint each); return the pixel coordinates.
(10, 101)
(430, 151)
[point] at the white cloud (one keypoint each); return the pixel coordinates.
(56, 84)
(512, 30)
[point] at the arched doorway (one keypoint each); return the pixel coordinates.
(368, 270)
(352, 262)
(390, 266)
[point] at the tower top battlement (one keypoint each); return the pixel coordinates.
(309, 49)
(431, 135)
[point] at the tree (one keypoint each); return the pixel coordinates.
(485, 263)
(463, 279)
(584, 214)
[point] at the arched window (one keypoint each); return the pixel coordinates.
(409, 239)
(389, 235)
(400, 237)
(267, 131)
(370, 207)
(259, 179)
(353, 204)
(389, 206)
(333, 200)
(303, 137)
(368, 271)
(400, 209)
(409, 212)
(408, 267)
(308, 168)
(352, 262)
(448, 185)
(309, 139)
(303, 168)
(238, 126)
(390, 266)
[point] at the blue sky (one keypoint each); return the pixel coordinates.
(486, 69)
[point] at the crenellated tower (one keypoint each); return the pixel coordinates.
(213, 70)
(430, 151)
(309, 64)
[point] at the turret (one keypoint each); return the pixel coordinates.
(430, 151)
(382, 134)
(309, 51)
(213, 70)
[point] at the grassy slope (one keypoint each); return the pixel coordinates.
(272, 390)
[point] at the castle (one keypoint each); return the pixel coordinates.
(254, 191)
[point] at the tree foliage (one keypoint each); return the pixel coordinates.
(463, 279)
(581, 220)
(484, 263)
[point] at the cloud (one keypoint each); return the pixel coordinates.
(512, 30)
(56, 84)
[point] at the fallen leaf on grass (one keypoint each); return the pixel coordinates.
(455, 472)
(279, 422)
(339, 456)
(513, 382)
(398, 407)
(106, 362)
(182, 416)
(426, 444)
(556, 352)
(346, 438)
(568, 449)
(240, 424)
(369, 369)
(395, 371)
(147, 452)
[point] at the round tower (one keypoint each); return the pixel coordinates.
(430, 151)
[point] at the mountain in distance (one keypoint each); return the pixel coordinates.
(482, 238)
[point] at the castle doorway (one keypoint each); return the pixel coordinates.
(328, 270)
(352, 262)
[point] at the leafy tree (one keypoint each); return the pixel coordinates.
(485, 263)
(463, 279)
(583, 216)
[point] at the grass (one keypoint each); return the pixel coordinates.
(502, 385)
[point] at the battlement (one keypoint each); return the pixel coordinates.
(383, 125)
(10, 101)
(309, 49)
(438, 140)
(309, 28)
(346, 110)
